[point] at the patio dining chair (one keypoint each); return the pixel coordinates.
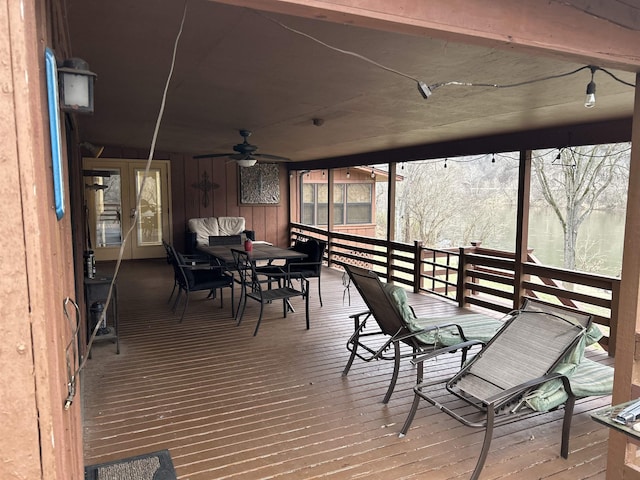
(193, 276)
(396, 324)
(310, 267)
(192, 260)
(253, 288)
(538, 345)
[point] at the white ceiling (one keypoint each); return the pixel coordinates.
(237, 68)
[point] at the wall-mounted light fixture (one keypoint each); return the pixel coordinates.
(76, 86)
(94, 150)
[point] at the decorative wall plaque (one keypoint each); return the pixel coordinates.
(260, 184)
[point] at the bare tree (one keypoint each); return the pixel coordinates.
(426, 202)
(572, 183)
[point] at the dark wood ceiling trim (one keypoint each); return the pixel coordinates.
(586, 134)
(544, 28)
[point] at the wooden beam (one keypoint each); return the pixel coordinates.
(554, 28)
(613, 131)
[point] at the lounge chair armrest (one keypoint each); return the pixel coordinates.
(358, 315)
(451, 348)
(431, 329)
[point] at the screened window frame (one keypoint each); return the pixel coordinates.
(319, 210)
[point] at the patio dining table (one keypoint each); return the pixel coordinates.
(260, 252)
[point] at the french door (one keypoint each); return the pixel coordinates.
(111, 192)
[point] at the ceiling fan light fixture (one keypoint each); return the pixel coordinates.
(247, 162)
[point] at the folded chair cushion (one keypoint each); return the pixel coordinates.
(588, 379)
(475, 326)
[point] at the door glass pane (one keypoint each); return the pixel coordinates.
(149, 227)
(108, 209)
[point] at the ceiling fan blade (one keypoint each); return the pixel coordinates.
(266, 156)
(240, 156)
(213, 155)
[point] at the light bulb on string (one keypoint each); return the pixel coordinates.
(348, 173)
(590, 99)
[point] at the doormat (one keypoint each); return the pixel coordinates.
(151, 466)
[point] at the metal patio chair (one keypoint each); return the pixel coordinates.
(196, 277)
(310, 267)
(253, 288)
(539, 344)
(397, 324)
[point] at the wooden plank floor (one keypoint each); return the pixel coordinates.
(230, 405)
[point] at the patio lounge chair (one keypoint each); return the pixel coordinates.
(398, 324)
(539, 346)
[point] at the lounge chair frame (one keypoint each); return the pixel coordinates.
(391, 323)
(503, 402)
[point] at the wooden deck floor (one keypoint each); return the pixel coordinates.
(230, 405)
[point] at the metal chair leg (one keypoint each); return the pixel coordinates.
(396, 371)
(412, 413)
(306, 305)
(259, 319)
(488, 436)
(186, 304)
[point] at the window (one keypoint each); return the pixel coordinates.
(352, 203)
(358, 209)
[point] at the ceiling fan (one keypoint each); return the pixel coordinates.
(245, 153)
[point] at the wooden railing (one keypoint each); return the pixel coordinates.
(475, 275)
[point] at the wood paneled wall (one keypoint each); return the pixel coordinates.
(270, 222)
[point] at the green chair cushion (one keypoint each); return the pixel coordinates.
(475, 326)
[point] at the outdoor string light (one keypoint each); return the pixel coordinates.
(427, 90)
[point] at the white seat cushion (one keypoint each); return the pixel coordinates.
(204, 228)
(230, 225)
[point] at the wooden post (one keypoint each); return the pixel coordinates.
(461, 294)
(613, 322)
(622, 453)
(391, 215)
(522, 226)
(417, 265)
